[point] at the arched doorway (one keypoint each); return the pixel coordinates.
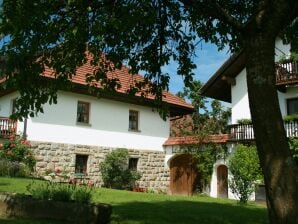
(183, 175)
(222, 181)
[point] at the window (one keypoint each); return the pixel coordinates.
(133, 120)
(292, 106)
(133, 163)
(81, 164)
(13, 106)
(83, 112)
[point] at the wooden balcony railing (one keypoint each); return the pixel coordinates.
(7, 127)
(287, 73)
(244, 132)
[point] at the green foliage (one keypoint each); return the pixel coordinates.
(290, 118)
(245, 166)
(205, 158)
(115, 172)
(244, 121)
(13, 169)
(293, 143)
(82, 194)
(59, 191)
(203, 121)
(148, 37)
(18, 150)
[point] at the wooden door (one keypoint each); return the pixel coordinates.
(222, 181)
(183, 175)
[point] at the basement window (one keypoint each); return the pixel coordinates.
(81, 164)
(133, 163)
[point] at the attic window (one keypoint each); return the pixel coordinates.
(133, 120)
(83, 111)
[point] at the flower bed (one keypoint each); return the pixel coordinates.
(74, 212)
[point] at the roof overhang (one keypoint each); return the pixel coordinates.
(219, 85)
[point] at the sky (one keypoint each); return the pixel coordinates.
(208, 59)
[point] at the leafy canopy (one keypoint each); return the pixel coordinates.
(143, 34)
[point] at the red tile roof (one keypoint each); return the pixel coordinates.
(126, 80)
(191, 140)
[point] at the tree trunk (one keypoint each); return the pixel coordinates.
(279, 169)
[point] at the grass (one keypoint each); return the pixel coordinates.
(145, 208)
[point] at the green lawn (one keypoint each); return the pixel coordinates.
(145, 208)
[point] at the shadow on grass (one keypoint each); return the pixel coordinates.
(28, 221)
(187, 212)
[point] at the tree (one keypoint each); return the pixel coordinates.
(244, 164)
(205, 120)
(147, 34)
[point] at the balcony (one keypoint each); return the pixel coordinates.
(7, 127)
(287, 73)
(244, 132)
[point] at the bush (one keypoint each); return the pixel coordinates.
(293, 143)
(13, 169)
(59, 192)
(245, 166)
(82, 194)
(115, 172)
(18, 150)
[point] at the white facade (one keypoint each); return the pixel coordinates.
(240, 105)
(108, 127)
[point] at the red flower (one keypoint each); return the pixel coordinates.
(11, 138)
(8, 152)
(58, 170)
(12, 145)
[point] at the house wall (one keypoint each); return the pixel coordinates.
(56, 156)
(240, 104)
(108, 123)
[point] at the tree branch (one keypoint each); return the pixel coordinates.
(217, 11)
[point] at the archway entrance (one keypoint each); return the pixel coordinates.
(222, 181)
(183, 175)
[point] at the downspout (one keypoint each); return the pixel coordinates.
(25, 129)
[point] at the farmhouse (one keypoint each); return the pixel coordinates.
(75, 134)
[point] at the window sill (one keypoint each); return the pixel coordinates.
(83, 124)
(132, 130)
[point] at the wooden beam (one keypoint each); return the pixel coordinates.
(229, 80)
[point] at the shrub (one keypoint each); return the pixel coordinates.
(18, 150)
(293, 143)
(82, 194)
(290, 118)
(13, 169)
(244, 121)
(59, 192)
(245, 167)
(115, 172)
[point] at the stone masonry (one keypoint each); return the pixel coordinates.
(55, 156)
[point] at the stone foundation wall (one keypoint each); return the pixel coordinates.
(53, 156)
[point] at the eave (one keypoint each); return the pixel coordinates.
(219, 85)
